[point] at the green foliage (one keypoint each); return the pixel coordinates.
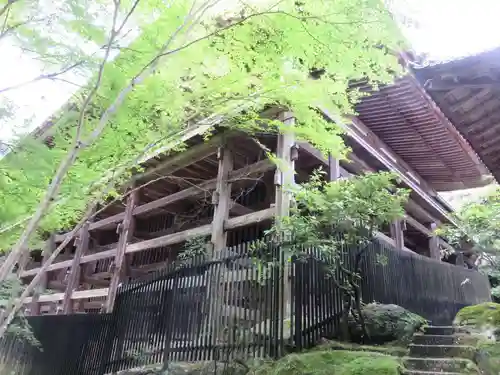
(480, 316)
(479, 222)
(263, 61)
(354, 208)
(332, 362)
(386, 323)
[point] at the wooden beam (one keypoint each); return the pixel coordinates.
(49, 247)
(314, 152)
(440, 85)
(203, 188)
(78, 294)
(185, 158)
(82, 243)
(397, 234)
(171, 239)
(418, 226)
(126, 230)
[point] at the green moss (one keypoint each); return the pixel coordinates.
(393, 350)
(480, 316)
(386, 323)
(329, 362)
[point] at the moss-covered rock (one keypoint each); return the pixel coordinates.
(328, 362)
(385, 323)
(483, 317)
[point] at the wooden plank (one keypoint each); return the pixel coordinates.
(190, 281)
(49, 247)
(78, 294)
(126, 230)
(171, 239)
(252, 218)
(397, 234)
(259, 167)
(82, 243)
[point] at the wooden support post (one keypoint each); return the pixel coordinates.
(397, 234)
(221, 199)
(82, 244)
(126, 230)
(49, 247)
(333, 168)
(434, 243)
(285, 179)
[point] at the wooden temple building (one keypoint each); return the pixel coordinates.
(227, 190)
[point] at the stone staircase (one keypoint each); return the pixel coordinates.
(442, 350)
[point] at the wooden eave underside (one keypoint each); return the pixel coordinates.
(468, 93)
(406, 119)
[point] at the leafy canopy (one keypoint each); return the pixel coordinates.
(330, 215)
(209, 69)
(480, 222)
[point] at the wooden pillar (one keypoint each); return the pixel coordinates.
(126, 231)
(221, 199)
(48, 249)
(285, 179)
(434, 243)
(397, 233)
(333, 168)
(82, 244)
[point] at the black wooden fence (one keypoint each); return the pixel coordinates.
(237, 307)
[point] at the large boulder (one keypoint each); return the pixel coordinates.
(483, 318)
(385, 323)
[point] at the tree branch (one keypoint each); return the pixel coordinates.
(13, 257)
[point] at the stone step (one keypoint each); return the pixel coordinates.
(442, 351)
(440, 365)
(457, 339)
(443, 330)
